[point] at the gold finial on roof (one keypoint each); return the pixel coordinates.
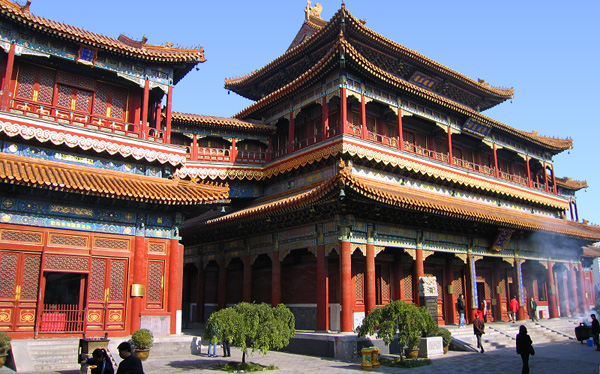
(313, 11)
(25, 8)
(167, 44)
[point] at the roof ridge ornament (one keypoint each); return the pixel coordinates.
(313, 11)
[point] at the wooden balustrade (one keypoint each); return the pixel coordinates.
(62, 318)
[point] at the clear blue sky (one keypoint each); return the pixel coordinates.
(547, 51)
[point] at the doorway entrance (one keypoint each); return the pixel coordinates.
(63, 303)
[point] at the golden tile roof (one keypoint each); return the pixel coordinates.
(355, 59)
(220, 122)
(408, 198)
(124, 46)
(106, 183)
(591, 251)
(571, 184)
(344, 19)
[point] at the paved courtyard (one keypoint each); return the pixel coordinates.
(558, 357)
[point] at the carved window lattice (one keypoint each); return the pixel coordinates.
(359, 282)
(458, 284)
(101, 99)
(117, 279)
(46, 86)
(68, 240)
(407, 285)
(155, 276)
(77, 81)
(157, 247)
(97, 279)
(8, 274)
(385, 283)
(22, 236)
(66, 263)
(31, 277)
(25, 81)
(111, 244)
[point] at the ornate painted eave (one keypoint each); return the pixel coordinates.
(407, 198)
(403, 162)
(343, 20)
(59, 176)
(355, 59)
(179, 118)
(100, 142)
(123, 46)
(591, 251)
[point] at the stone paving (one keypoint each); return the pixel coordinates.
(564, 357)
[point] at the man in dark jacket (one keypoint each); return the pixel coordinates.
(460, 309)
(595, 331)
(478, 330)
(130, 363)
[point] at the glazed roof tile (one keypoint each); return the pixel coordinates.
(411, 199)
(86, 180)
(571, 184)
(122, 45)
(359, 62)
(325, 30)
(213, 121)
(591, 251)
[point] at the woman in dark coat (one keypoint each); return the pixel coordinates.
(99, 363)
(524, 348)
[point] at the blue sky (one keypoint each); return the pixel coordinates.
(546, 50)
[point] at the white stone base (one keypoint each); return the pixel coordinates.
(431, 347)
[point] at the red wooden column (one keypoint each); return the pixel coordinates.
(157, 117)
(291, 134)
(140, 281)
(451, 297)
(168, 116)
(363, 117)
(554, 180)
(275, 279)
(6, 80)
(545, 177)
(233, 154)
(347, 289)
(343, 111)
(450, 157)
(325, 117)
(247, 287)
(400, 131)
(322, 290)
(200, 284)
(370, 276)
(175, 284)
(497, 174)
(222, 296)
(398, 291)
(194, 150)
(581, 294)
(497, 296)
(145, 103)
(529, 181)
(552, 294)
(419, 269)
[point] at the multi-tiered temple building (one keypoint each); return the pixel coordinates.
(365, 170)
(363, 173)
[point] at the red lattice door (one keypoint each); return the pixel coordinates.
(107, 300)
(20, 274)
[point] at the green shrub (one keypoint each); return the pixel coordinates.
(445, 334)
(4, 343)
(142, 339)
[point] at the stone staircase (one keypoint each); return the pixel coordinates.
(503, 334)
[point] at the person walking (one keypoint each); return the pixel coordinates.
(513, 308)
(479, 330)
(130, 364)
(595, 331)
(226, 347)
(460, 309)
(524, 348)
(533, 309)
(483, 306)
(99, 363)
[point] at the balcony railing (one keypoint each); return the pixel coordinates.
(90, 121)
(251, 157)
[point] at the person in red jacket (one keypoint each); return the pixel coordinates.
(513, 308)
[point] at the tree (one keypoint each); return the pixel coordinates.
(407, 321)
(252, 326)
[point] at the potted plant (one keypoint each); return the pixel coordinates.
(398, 319)
(4, 347)
(446, 337)
(142, 341)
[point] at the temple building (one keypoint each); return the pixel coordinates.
(365, 172)
(89, 206)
